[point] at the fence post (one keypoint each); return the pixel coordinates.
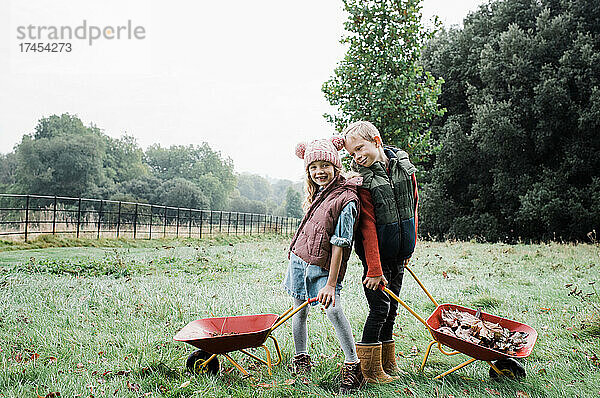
(228, 222)
(201, 219)
(244, 225)
(26, 216)
(237, 216)
(220, 222)
(78, 216)
(54, 217)
(210, 225)
(165, 224)
(150, 231)
(190, 224)
(100, 218)
(177, 224)
(135, 216)
(119, 219)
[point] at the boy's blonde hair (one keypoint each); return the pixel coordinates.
(363, 129)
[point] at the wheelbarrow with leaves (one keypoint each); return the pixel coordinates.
(502, 361)
(223, 335)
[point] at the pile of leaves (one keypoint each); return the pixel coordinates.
(473, 329)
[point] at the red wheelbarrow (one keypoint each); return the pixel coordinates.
(220, 336)
(501, 363)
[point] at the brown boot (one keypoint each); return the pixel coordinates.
(370, 363)
(301, 364)
(388, 358)
(352, 378)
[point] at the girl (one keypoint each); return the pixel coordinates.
(319, 253)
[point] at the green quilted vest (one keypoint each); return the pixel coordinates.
(393, 197)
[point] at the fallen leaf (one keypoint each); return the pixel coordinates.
(264, 385)
(185, 384)
(408, 392)
(542, 371)
(80, 365)
(52, 395)
(445, 274)
(133, 386)
(289, 382)
(522, 394)
(34, 356)
(493, 392)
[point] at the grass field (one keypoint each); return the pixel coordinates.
(99, 322)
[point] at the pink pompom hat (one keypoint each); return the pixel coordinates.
(323, 149)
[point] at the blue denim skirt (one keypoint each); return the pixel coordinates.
(303, 281)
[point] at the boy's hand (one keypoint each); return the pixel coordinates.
(373, 282)
(326, 296)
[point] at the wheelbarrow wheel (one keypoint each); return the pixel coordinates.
(509, 367)
(196, 363)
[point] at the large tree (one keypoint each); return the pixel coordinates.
(62, 157)
(201, 165)
(380, 78)
(522, 133)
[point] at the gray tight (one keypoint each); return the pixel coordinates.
(339, 321)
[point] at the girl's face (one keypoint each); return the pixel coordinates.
(321, 172)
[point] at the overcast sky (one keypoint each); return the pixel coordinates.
(243, 76)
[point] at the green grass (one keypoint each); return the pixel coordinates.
(89, 321)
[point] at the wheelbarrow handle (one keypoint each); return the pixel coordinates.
(291, 312)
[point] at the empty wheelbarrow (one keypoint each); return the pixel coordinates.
(223, 335)
(501, 363)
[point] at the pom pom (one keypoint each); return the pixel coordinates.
(337, 141)
(300, 149)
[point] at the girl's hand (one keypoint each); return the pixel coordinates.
(373, 282)
(326, 296)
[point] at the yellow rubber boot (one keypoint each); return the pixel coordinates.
(370, 363)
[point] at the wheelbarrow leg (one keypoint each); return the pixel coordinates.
(462, 365)
(266, 362)
(427, 354)
(234, 363)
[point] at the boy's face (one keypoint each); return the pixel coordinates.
(364, 152)
(321, 172)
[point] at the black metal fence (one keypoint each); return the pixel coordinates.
(22, 216)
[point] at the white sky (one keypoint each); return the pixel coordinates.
(244, 76)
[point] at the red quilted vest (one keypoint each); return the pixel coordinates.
(311, 241)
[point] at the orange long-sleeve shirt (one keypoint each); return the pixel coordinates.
(366, 225)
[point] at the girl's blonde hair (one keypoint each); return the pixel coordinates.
(311, 188)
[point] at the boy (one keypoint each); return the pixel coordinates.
(385, 241)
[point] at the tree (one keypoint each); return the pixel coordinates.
(254, 187)
(182, 193)
(62, 164)
(200, 165)
(380, 78)
(293, 203)
(520, 139)
(8, 167)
